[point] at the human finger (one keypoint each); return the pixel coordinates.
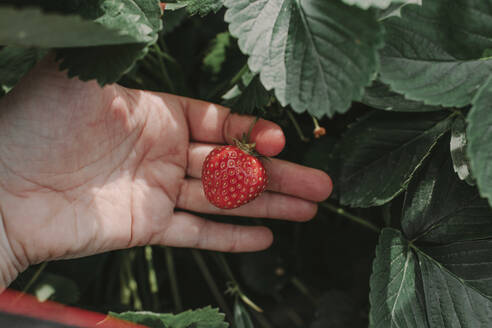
(213, 123)
(188, 230)
(267, 205)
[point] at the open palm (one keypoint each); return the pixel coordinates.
(85, 169)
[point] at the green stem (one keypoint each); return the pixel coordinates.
(387, 214)
(35, 277)
(316, 123)
(165, 55)
(236, 289)
(173, 280)
(125, 292)
(350, 216)
(32, 281)
(235, 78)
(211, 282)
(226, 267)
(132, 282)
(141, 273)
(303, 289)
(262, 320)
(164, 72)
(246, 138)
(296, 125)
(152, 276)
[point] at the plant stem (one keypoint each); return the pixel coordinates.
(165, 55)
(173, 281)
(248, 136)
(32, 281)
(35, 277)
(239, 74)
(211, 282)
(296, 125)
(315, 121)
(226, 267)
(125, 292)
(387, 214)
(350, 216)
(303, 289)
(132, 282)
(262, 320)
(141, 270)
(152, 276)
(236, 290)
(164, 72)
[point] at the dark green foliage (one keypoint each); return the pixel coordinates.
(395, 301)
(96, 40)
(15, 62)
(435, 52)
(479, 133)
(380, 96)
(200, 318)
(247, 95)
(381, 152)
(440, 208)
(311, 53)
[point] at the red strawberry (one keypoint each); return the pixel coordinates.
(231, 177)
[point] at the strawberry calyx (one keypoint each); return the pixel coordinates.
(245, 146)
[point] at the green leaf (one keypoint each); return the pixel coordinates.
(202, 7)
(216, 54)
(15, 62)
(479, 132)
(439, 208)
(381, 152)
(364, 4)
(450, 300)
(108, 63)
(242, 318)
(450, 287)
(317, 55)
(201, 318)
(247, 95)
(458, 147)
(394, 297)
(175, 6)
(379, 96)
(469, 260)
(434, 52)
(30, 27)
(394, 9)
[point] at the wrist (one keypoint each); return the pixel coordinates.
(10, 266)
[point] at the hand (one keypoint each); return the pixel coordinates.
(85, 170)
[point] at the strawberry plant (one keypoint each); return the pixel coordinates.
(400, 94)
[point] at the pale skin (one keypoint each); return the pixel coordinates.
(85, 169)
